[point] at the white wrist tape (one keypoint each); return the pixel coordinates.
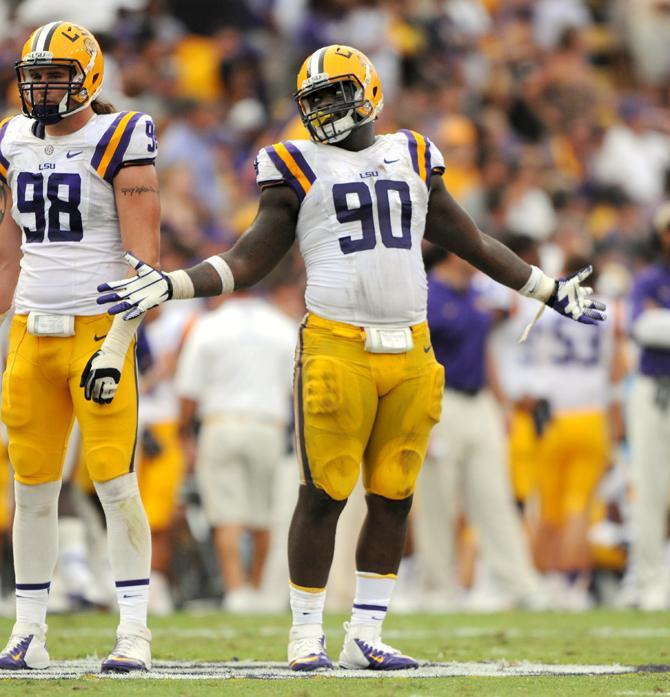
(538, 285)
(182, 285)
(225, 272)
(120, 335)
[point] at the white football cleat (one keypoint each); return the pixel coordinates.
(132, 650)
(26, 648)
(363, 649)
(307, 648)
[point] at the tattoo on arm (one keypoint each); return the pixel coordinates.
(3, 201)
(132, 190)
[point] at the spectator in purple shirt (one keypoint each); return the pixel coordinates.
(466, 470)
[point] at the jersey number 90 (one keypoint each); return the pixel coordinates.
(363, 213)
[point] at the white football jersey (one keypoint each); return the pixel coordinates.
(361, 222)
(566, 362)
(63, 202)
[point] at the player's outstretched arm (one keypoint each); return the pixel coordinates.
(253, 256)
(10, 251)
(449, 226)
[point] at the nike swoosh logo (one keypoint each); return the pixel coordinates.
(99, 338)
(427, 348)
(306, 659)
(70, 155)
(378, 659)
(138, 595)
(389, 162)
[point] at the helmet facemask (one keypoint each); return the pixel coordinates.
(345, 108)
(47, 100)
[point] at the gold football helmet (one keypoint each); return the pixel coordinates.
(338, 91)
(60, 71)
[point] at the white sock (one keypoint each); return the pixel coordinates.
(35, 539)
(133, 598)
(307, 604)
(373, 595)
(31, 602)
(129, 543)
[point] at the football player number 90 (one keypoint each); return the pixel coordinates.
(362, 212)
(56, 184)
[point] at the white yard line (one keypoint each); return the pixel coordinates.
(174, 670)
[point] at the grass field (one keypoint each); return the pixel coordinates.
(599, 638)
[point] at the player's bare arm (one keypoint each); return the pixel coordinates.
(259, 249)
(136, 194)
(449, 226)
(10, 251)
(255, 254)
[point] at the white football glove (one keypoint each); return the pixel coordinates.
(137, 294)
(101, 376)
(571, 299)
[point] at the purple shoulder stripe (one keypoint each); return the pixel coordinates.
(4, 162)
(104, 141)
(286, 173)
(117, 158)
(413, 151)
(301, 161)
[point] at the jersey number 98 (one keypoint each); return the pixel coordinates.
(56, 184)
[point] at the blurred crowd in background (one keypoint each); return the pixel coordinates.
(553, 119)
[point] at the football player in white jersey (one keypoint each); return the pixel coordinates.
(367, 386)
(77, 186)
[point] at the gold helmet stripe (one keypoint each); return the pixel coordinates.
(42, 41)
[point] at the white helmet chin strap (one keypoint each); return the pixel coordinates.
(340, 128)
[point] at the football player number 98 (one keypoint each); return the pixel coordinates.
(34, 183)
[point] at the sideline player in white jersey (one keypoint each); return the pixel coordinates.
(77, 186)
(578, 373)
(367, 386)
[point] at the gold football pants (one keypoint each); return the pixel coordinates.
(41, 397)
(356, 407)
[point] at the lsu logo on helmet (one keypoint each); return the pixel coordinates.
(353, 87)
(60, 72)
